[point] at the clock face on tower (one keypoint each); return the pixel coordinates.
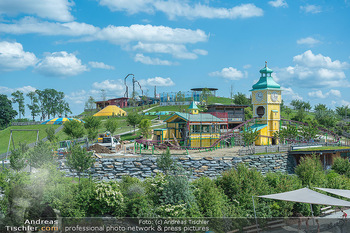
(259, 96)
(274, 96)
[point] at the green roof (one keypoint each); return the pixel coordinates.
(193, 106)
(266, 81)
(197, 117)
(258, 127)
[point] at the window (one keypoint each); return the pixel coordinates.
(260, 111)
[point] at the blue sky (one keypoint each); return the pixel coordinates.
(82, 46)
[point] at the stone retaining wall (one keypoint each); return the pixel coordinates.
(143, 167)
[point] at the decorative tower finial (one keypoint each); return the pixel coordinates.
(265, 63)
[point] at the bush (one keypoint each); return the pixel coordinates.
(341, 166)
(51, 134)
(240, 185)
(41, 154)
(310, 171)
(108, 199)
(211, 200)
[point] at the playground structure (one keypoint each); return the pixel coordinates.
(196, 130)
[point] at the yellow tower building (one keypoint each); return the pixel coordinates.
(266, 100)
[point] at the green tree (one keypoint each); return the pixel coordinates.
(309, 131)
(79, 160)
(248, 113)
(320, 107)
(18, 98)
(241, 99)
(300, 115)
(134, 119)
(74, 129)
(250, 136)
(18, 157)
(33, 106)
(327, 118)
(165, 162)
(6, 111)
(40, 155)
(342, 166)
(111, 125)
(310, 171)
(50, 131)
(145, 127)
(90, 104)
(92, 125)
(342, 111)
(211, 200)
(297, 104)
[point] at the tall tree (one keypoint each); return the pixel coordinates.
(91, 125)
(320, 107)
(6, 111)
(241, 99)
(79, 160)
(133, 120)
(19, 98)
(41, 103)
(342, 111)
(33, 106)
(111, 125)
(90, 104)
(145, 127)
(74, 129)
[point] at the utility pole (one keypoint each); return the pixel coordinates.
(155, 92)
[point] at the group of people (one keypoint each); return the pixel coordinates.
(344, 216)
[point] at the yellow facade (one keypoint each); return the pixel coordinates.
(266, 100)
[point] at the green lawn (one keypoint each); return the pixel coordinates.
(219, 100)
(22, 136)
(324, 148)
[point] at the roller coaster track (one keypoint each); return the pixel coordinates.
(231, 133)
(335, 136)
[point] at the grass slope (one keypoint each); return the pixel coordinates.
(22, 136)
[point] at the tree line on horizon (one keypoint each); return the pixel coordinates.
(45, 103)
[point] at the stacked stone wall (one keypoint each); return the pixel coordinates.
(143, 167)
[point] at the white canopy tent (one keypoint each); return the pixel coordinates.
(339, 192)
(306, 195)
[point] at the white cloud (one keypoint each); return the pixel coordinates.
(24, 89)
(313, 9)
(308, 41)
(152, 61)
(157, 81)
(309, 59)
(115, 86)
(13, 57)
(346, 103)
(149, 34)
(247, 66)
(155, 39)
(100, 65)
(177, 8)
(201, 52)
(278, 3)
(77, 97)
(177, 50)
(60, 64)
(289, 92)
(51, 9)
(32, 25)
(228, 73)
(319, 94)
(314, 71)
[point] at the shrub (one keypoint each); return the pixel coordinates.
(108, 199)
(341, 166)
(310, 171)
(211, 199)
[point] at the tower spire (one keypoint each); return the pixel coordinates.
(265, 63)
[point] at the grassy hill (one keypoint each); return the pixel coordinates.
(22, 136)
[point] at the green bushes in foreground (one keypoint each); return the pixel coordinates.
(171, 195)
